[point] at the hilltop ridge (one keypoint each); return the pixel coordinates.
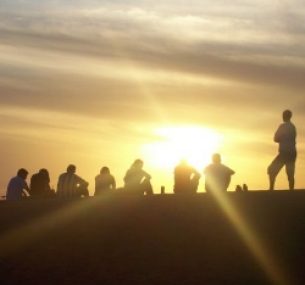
(248, 238)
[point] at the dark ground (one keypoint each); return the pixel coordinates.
(164, 239)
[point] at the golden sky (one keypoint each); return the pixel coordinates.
(99, 83)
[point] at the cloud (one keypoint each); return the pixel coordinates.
(138, 60)
(230, 44)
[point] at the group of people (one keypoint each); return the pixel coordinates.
(136, 180)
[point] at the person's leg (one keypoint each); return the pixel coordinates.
(290, 170)
(147, 187)
(194, 184)
(274, 169)
(227, 183)
(82, 191)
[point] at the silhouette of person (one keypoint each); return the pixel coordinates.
(17, 186)
(217, 175)
(186, 178)
(40, 184)
(71, 185)
(285, 136)
(104, 182)
(137, 180)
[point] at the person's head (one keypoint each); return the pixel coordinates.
(216, 158)
(44, 172)
(23, 173)
(138, 163)
(105, 170)
(287, 115)
(183, 162)
(71, 169)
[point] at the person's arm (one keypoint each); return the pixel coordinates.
(279, 134)
(26, 190)
(113, 183)
(231, 171)
(196, 173)
(126, 177)
(81, 181)
(146, 175)
(96, 184)
(60, 184)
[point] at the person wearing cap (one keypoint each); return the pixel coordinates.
(285, 136)
(71, 185)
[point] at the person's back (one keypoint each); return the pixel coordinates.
(40, 184)
(218, 176)
(285, 136)
(71, 185)
(185, 177)
(17, 185)
(104, 182)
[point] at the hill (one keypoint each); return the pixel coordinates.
(238, 238)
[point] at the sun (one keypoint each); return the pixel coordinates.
(195, 144)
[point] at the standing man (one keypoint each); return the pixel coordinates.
(17, 186)
(285, 136)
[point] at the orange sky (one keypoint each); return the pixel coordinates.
(92, 83)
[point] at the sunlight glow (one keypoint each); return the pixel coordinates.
(194, 143)
(251, 239)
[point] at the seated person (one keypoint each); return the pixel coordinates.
(137, 180)
(40, 184)
(71, 185)
(186, 178)
(17, 187)
(104, 182)
(218, 176)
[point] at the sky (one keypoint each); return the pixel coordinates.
(99, 83)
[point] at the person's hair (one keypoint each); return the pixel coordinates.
(105, 170)
(45, 173)
(138, 163)
(287, 115)
(71, 168)
(22, 172)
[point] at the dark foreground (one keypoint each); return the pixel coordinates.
(253, 238)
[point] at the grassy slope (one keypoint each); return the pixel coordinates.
(150, 240)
